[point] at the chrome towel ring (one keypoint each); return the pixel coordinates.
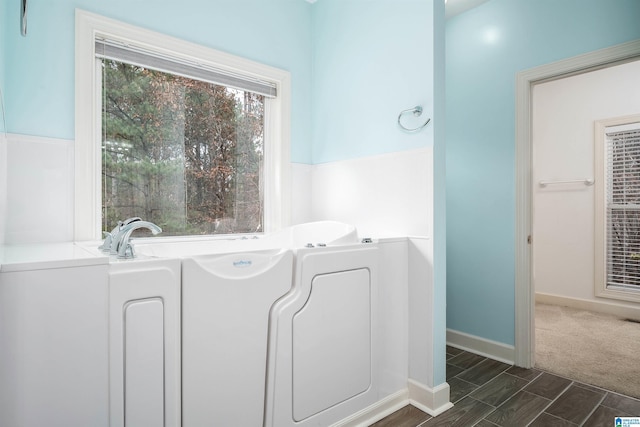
(417, 111)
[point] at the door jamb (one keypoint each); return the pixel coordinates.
(525, 80)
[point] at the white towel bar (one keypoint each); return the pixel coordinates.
(585, 181)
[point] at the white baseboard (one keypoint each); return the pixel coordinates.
(628, 311)
(481, 346)
(377, 411)
(433, 401)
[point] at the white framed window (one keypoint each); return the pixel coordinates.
(122, 170)
(617, 213)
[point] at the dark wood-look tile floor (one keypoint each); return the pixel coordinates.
(487, 393)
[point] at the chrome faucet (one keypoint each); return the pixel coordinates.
(108, 237)
(120, 244)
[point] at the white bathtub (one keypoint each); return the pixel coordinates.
(278, 329)
(293, 316)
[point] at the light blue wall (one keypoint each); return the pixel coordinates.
(4, 29)
(371, 59)
(40, 67)
(486, 47)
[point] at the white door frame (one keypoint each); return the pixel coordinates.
(525, 80)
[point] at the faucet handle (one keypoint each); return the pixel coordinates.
(106, 245)
(129, 252)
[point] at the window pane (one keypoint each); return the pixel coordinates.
(182, 153)
(623, 209)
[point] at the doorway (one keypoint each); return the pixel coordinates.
(525, 82)
(576, 331)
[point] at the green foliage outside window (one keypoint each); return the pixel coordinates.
(182, 153)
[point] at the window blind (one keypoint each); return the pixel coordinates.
(623, 208)
(114, 50)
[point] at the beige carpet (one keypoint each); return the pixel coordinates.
(592, 348)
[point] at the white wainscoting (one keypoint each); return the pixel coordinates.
(3, 185)
(383, 196)
(301, 193)
(39, 190)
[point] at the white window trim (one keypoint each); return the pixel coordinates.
(600, 217)
(277, 166)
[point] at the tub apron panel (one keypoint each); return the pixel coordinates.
(226, 304)
(323, 342)
(144, 343)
